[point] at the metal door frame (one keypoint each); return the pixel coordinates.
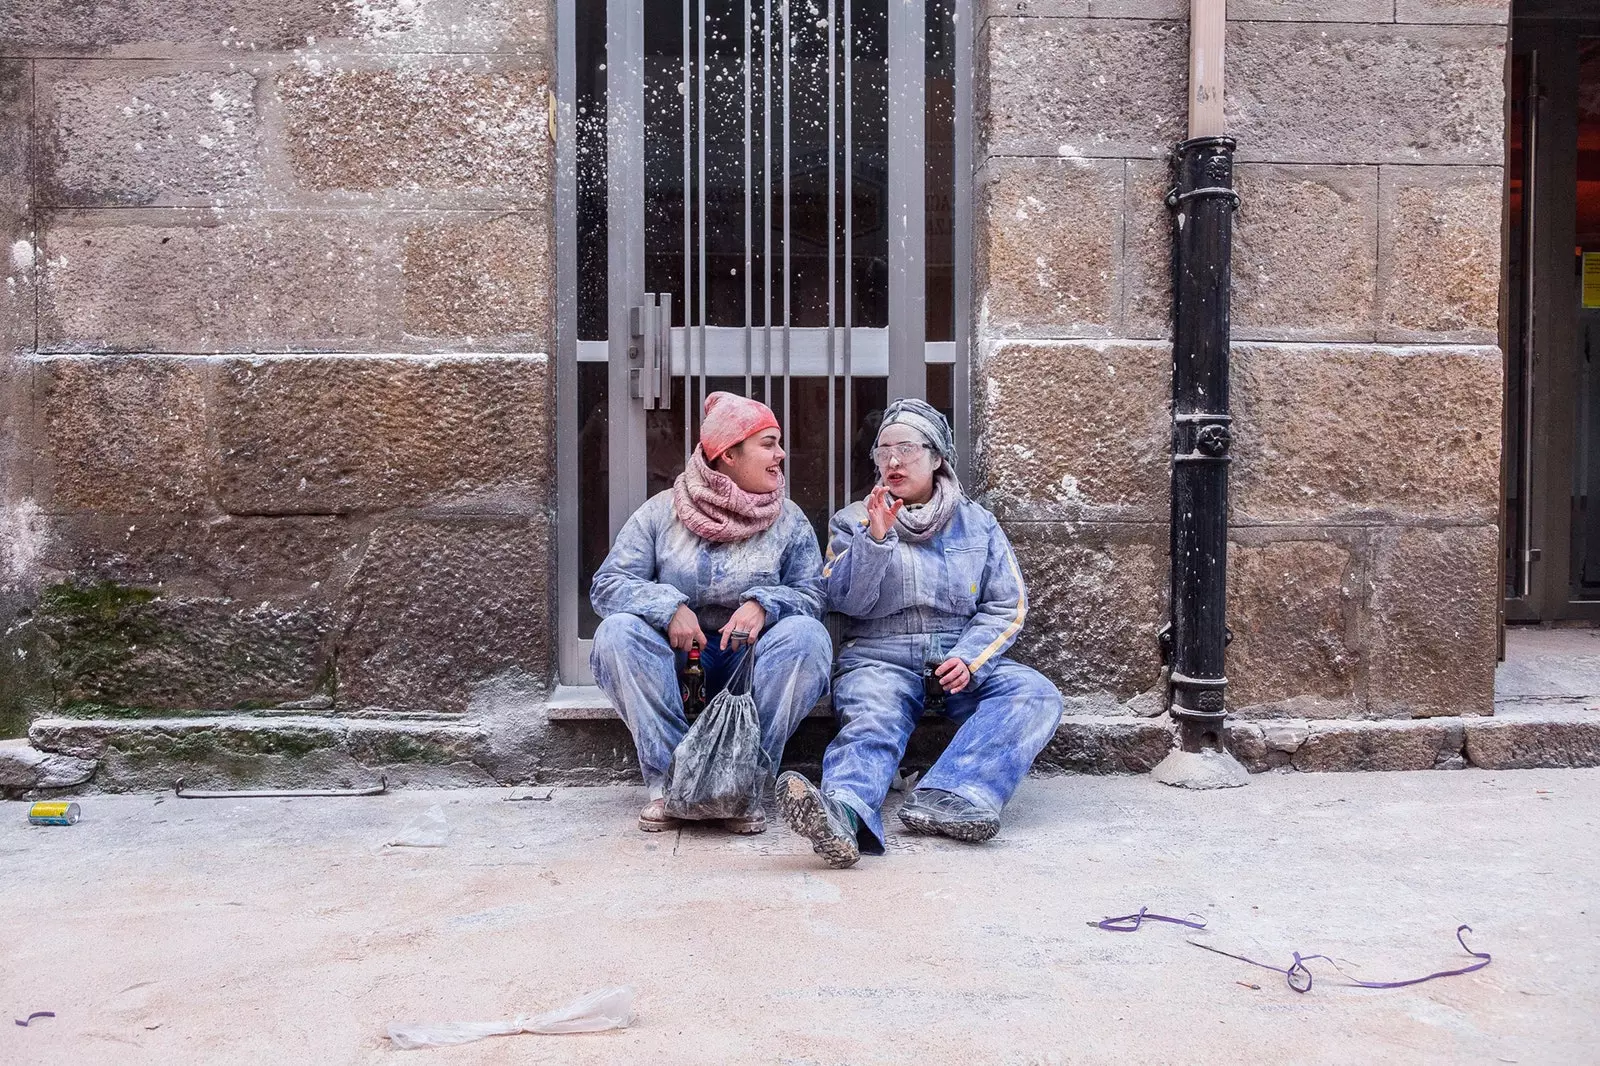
(907, 351)
(1551, 362)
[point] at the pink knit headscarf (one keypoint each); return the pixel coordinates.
(710, 503)
(731, 420)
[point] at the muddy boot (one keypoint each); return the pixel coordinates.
(820, 819)
(932, 810)
(655, 819)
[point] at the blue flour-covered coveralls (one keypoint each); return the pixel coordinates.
(910, 605)
(657, 564)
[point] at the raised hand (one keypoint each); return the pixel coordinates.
(881, 511)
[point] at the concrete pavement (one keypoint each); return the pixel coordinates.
(164, 930)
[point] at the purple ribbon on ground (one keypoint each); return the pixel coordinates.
(1122, 924)
(1298, 974)
(36, 1014)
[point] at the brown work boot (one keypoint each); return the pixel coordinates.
(756, 823)
(655, 819)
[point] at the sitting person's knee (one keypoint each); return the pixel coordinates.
(618, 629)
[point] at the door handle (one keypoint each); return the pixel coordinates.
(663, 352)
(650, 352)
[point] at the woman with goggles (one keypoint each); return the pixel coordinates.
(932, 598)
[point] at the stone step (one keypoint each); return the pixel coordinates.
(549, 743)
(586, 703)
(271, 751)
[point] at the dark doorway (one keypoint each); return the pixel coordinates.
(1551, 314)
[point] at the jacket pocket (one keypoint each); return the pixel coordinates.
(963, 573)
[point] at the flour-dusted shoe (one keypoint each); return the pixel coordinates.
(655, 819)
(820, 819)
(756, 823)
(933, 810)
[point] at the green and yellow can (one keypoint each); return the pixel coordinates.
(53, 812)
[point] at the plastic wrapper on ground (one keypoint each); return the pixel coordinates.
(609, 1008)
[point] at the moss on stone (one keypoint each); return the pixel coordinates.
(400, 748)
(24, 683)
(93, 628)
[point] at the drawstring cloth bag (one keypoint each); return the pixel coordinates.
(718, 769)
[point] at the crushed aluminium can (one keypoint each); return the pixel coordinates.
(53, 812)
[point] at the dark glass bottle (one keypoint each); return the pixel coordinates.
(693, 680)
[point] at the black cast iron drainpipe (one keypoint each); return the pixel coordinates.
(1202, 203)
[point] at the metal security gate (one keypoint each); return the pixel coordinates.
(756, 196)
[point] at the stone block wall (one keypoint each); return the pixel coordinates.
(1366, 377)
(274, 388)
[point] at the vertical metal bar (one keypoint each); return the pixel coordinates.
(961, 383)
(570, 663)
(748, 233)
(1530, 192)
(833, 93)
(766, 198)
(688, 262)
(908, 372)
(788, 201)
(625, 246)
(700, 97)
(849, 249)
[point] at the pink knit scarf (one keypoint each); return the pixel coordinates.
(715, 508)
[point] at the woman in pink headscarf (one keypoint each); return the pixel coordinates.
(722, 560)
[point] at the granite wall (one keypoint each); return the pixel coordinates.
(274, 384)
(1366, 376)
(275, 399)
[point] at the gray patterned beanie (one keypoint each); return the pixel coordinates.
(926, 420)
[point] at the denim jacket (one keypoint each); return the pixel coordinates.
(657, 564)
(964, 580)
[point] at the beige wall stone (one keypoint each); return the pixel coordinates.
(124, 434)
(336, 435)
(1346, 433)
(124, 134)
(1493, 12)
(58, 27)
(1439, 253)
(1084, 87)
(16, 278)
(1147, 251)
(1304, 260)
(1097, 596)
(437, 607)
(1037, 8)
(1310, 10)
(1139, 9)
(449, 27)
(1433, 621)
(1076, 430)
(1347, 93)
(487, 278)
(1052, 247)
(442, 128)
(1294, 605)
(178, 652)
(247, 558)
(205, 281)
